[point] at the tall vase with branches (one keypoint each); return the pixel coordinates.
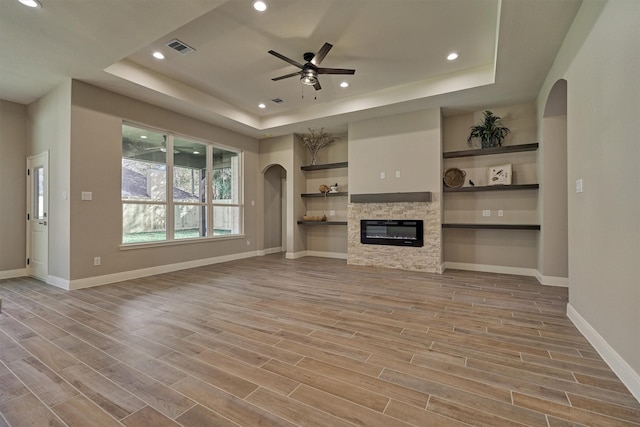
(315, 140)
(491, 132)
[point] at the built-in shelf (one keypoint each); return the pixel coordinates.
(492, 188)
(325, 166)
(322, 222)
(329, 194)
(493, 226)
(489, 151)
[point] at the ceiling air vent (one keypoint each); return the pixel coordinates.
(277, 100)
(177, 45)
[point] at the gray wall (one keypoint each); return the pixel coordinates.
(49, 128)
(94, 165)
(599, 59)
(13, 154)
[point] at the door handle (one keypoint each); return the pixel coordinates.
(42, 222)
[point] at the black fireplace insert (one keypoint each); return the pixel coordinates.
(396, 232)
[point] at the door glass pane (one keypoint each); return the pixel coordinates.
(189, 167)
(190, 221)
(143, 223)
(226, 176)
(226, 220)
(38, 193)
(144, 164)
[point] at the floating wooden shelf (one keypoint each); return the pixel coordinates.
(491, 188)
(489, 151)
(494, 226)
(339, 193)
(325, 166)
(322, 222)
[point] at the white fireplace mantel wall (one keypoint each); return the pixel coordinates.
(395, 154)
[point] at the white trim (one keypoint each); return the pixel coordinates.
(321, 254)
(520, 271)
(58, 282)
(11, 274)
(552, 280)
(88, 282)
(627, 375)
(295, 255)
(270, 251)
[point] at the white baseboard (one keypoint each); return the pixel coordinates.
(520, 271)
(270, 251)
(295, 255)
(143, 272)
(11, 274)
(336, 255)
(627, 375)
(552, 280)
(58, 282)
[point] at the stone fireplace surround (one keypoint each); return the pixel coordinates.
(426, 258)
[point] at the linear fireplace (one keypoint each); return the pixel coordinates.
(400, 232)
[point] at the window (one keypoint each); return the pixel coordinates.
(167, 194)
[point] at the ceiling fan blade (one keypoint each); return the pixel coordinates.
(336, 71)
(284, 58)
(286, 76)
(317, 85)
(317, 59)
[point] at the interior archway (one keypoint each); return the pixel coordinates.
(553, 259)
(274, 209)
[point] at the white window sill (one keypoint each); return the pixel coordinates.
(126, 247)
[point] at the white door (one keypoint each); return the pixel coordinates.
(37, 215)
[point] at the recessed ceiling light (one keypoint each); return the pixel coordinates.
(30, 3)
(196, 152)
(452, 56)
(261, 105)
(260, 6)
(143, 136)
(158, 55)
(344, 84)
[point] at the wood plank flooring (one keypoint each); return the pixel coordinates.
(310, 342)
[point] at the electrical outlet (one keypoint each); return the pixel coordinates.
(96, 260)
(332, 213)
(486, 212)
(382, 175)
(397, 174)
(248, 242)
(500, 212)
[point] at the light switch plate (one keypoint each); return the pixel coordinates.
(486, 212)
(86, 195)
(579, 185)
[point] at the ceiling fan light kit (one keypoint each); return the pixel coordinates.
(309, 71)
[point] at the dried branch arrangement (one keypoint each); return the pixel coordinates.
(316, 140)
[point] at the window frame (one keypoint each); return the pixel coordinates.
(170, 204)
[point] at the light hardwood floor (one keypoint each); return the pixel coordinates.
(309, 342)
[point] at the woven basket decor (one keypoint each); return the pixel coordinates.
(454, 177)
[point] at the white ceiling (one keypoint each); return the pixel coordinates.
(398, 48)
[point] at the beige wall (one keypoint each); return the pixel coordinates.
(598, 59)
(409, 143)
(13, 154)
(96, 120)
(554, 251)
(49, 128)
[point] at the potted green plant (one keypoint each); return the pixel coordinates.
(491, 132)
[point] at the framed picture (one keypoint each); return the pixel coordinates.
(499, 175)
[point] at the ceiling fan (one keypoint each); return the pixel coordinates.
(310, 70)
